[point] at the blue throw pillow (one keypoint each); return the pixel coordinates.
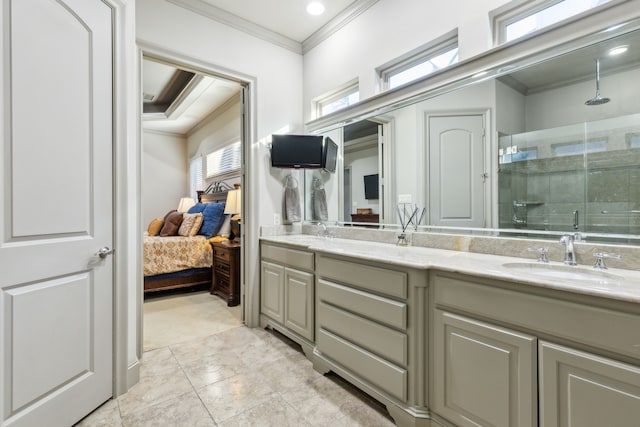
(212, 219)
(197, 208)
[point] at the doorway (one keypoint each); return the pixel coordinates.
(193, 127)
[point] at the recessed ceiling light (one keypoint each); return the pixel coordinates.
(618, 50)
(315, 8)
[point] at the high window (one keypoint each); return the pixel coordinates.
(338, 99)
(420, 62)
(517, 19)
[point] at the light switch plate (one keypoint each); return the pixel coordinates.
(404, 198)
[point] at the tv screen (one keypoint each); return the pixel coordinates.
(303, 152)
(371, 187)
(296, 151)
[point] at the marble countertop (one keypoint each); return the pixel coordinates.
(613, 283)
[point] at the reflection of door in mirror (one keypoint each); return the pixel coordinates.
(456, 171)
(361, 158)
(347, 193)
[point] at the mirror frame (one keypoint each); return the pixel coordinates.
(499, 61)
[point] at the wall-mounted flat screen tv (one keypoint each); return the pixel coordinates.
(329, 155)
(371, 187)
(303, 152)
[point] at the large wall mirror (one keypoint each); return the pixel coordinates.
(546, 148)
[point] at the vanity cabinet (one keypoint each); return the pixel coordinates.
(503, 353)
(580, 389)
(370, 328)
(287, 290)
(484, 375)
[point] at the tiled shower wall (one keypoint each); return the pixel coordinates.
(603, 187)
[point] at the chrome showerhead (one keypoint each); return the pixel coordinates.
(597, 100)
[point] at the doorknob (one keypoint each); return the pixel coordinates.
(103, 252)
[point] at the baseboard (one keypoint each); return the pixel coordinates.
(133, 374)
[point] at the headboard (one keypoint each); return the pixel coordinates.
(213, 197)
(216, 192)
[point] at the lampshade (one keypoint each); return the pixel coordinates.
(185, 204)
(234, 202)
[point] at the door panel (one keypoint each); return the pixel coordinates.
(272, 290)
(56, 98)
(299, 309)
(456, 183)
(579, 389)
(56, 210)
(484, 374)
(62, 323)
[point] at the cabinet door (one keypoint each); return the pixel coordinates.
(582, 390)
(272, 291)
(484, 375)
(299, 302)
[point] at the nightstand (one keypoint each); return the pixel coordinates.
(226, 271)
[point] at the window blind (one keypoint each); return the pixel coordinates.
(224, 161)
(195, 177)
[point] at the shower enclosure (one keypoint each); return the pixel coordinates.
(583, 177)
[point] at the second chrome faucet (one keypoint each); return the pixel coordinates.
(569, 252)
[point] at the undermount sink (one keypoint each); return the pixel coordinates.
(553, 271)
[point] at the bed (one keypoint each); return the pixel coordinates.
(173, 262)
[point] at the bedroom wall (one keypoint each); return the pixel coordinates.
(220, 128)
(165, 173)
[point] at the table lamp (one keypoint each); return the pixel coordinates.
(185, 204)
(233, 206)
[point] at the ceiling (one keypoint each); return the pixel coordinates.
(286, 17)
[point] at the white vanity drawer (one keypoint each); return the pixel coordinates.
(290, 257)
(609, 329)
(373, 369)
(380, 280)
(385, 342)
(380, 309)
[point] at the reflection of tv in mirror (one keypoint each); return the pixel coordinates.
(371, 187)
(329, 154)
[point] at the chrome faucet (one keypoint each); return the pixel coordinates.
(569, 252)
(322, 230)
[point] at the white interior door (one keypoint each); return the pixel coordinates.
(456, 171)
(56, 210)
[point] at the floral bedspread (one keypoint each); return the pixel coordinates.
(170, 254)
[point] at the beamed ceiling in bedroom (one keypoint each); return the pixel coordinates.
(176, 100)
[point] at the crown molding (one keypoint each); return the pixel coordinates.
(354, 10)
(164, 133)
(205, 9)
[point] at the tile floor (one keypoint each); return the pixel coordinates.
(230, 375)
